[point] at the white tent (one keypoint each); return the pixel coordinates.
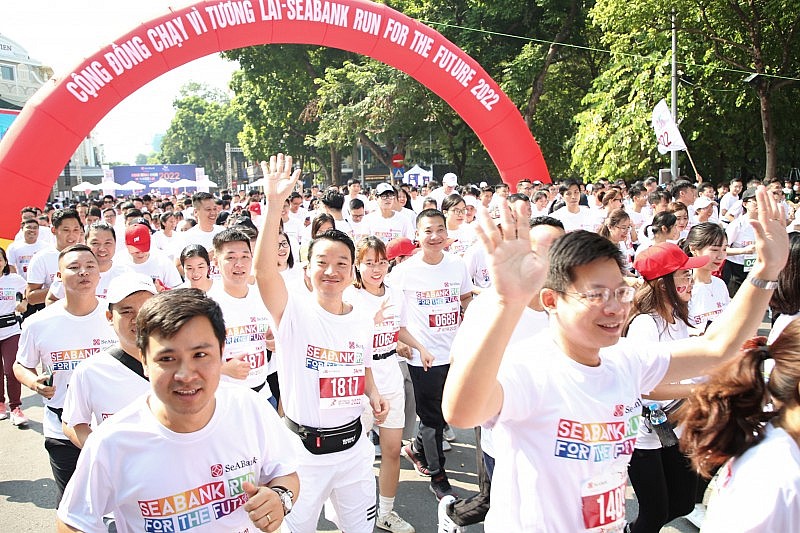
(130, 186)
(86, 186)
(162, 184)
(417, 175)
(260, 182)
(183, 183)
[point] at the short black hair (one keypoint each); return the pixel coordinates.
(545, 220)
(336, 236)
(333, 199)
(80, 247)
(101, 226)
(576, 249)
(200, 197)
(430, 213)
(65, 214)
(356, 203)
(167, 312)
(230, 235)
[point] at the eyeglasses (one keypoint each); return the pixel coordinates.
(598, 297)
(457, 211)
(623, 228)
(283, 244)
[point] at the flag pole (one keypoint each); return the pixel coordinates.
(696, 174)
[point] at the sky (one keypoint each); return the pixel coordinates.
(62, 33)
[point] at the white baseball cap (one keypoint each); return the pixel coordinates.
(450, 179)
(128, 283)
(384, 188)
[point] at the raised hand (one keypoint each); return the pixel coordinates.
(772, 240)
(280, 180)
(515, 268)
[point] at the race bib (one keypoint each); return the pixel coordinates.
(439, 320)
(256, 360)
(603, 503)
(340, 386)
(749, 261)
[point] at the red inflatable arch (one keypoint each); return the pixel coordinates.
(64, 111)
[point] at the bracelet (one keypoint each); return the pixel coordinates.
(763, 283)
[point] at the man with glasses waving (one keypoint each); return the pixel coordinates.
(565, 405)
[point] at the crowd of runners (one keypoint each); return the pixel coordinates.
(231, 362)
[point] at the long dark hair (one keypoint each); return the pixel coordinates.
(367, 243)
(659, 297)
(664, 218)
(612, 220)
(725, 416)
(786, 299)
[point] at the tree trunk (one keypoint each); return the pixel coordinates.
(336, 167)
(768, 132)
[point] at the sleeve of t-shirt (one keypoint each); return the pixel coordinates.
(648, 362)
(279, 457)
(643, 328)
(88, 494)
(36, 270)
(520, 393)
(466, 280)
(172, 277)
(27, 351)
(408, 229)
(732, 231)
(57, 289)
(76, 404)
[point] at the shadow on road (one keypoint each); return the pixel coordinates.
(40, 492)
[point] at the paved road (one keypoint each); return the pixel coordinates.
(27, 493)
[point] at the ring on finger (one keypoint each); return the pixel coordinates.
(269, 518)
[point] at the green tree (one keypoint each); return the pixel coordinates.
(204, 121)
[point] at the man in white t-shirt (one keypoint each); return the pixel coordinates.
(58, 339)
(206, 211)
(192, 453)
(573, 215)
(357, 220)
(353, 192)
(112, 379)
(566, 405)
(449, 184)
(730, 199)
(436, 287)
(68, 230)
(385, 223)
(324, 357)
(20, 252)
(141, 258)
(246, 356)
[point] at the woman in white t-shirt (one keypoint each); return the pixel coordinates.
(291, 272)
(196, 266)
(663, 228)
(728, 422)
(387, 305)
(660, 474)
(681, 213)
(459, 232)
(709, 295)
(12, 289)
(617, 228)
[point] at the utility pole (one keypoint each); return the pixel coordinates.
(674, 154)
(229, 164)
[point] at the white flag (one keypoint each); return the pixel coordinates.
(667, 134)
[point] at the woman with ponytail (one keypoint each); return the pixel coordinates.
(663, 228)
(728, 423)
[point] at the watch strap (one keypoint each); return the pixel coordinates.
(763, 283)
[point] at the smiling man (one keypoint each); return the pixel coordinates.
(58, 339)
(192, 453)
(385, 223)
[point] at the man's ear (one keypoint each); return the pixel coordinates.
(143, 359)
(549, 298)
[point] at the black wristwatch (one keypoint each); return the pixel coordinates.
(286, 498)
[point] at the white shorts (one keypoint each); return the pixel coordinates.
(396, 419)
(349, 483)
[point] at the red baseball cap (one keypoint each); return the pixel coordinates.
(138, 236)
(254, 208)
(398, 247)
(665, 258)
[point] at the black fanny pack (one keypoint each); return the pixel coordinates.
(379, 357)
(58, 411)
(321, 441)
(8, 320)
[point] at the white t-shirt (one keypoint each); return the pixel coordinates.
(584, 219)
(464, 238)
(157, 267)
(741, 235)
(20, 254)
(246, 325)
(759, 491)
(117, 269)
(390, 228)
(344, 226)
(168, 245)
(471, 333)
(154, 479)
(43, 267)
(60, 341)
(385, 364)
(708, 301)
(433, 298)
(100, 387)
(727, 202)
(195, 235)
(346, 204)
(322, 359)
(360, 230)
(650, 329)
(475, 258)
(565, 434)
(10, 286)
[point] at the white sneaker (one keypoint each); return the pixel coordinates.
(698, 515)
(446, 447)
(18, 418)
(446, 525)
(449, 434)
(392, 522)
(3, 410)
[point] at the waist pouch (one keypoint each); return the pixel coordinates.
(380, 357)
(321, 441)
(8, 320)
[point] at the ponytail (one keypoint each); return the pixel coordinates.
(725, 416)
